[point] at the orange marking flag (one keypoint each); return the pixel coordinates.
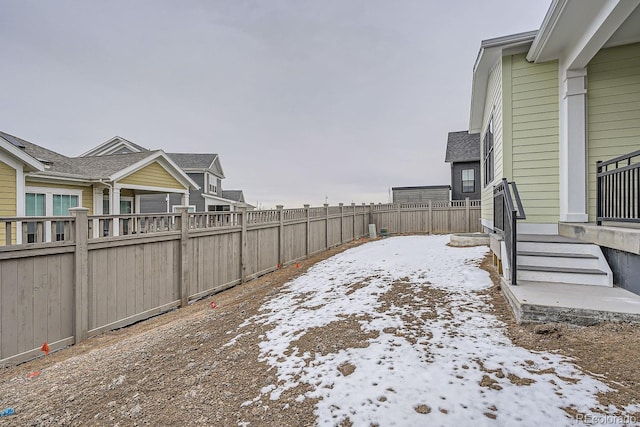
(45, 348)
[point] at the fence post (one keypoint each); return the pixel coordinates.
(243, 244)
(185, 256)
(371, 218)
(280, 234)
(399, 219)
(326, 223)
(81, 288)
(341, 222)
(467, 215)
(430, 229)
(308, 239)
(353, 234)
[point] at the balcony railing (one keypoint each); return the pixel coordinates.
(618, 189)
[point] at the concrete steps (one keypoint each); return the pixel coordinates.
(558, 259)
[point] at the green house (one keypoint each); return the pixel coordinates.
(548, 105)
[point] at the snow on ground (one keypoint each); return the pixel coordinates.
(430, 361)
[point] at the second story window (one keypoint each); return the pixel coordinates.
(212, 188)
(487, 153)
(468, 181)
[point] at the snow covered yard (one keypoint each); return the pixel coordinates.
(397, 332)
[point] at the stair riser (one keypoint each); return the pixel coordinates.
(557, 277)
(563, 248)
(543, 261)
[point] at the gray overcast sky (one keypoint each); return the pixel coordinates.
(302, 99)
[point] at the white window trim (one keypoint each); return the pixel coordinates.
(48, 196)
(48, 201)
(122, 199)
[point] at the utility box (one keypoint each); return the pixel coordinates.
(372, 231)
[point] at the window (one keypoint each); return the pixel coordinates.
(212, 188)
(487, 161)
(468, 181)
(61, 205)
(42, 201)
(34, 206)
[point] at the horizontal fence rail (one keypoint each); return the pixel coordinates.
(89, 274)
(618, 189)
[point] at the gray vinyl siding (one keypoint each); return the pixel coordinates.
(420, 195)
(456, 180)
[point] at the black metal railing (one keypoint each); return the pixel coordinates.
(505, 216)
(618, 189)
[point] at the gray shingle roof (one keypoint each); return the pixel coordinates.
(192, 160)
(235, 195)
(462, 147)
(80, 167)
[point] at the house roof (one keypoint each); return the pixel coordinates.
(198, 162)
(97, 167)
(15, 147)
(576, 30)
(462, 147)
(235, 195)
(490, 53)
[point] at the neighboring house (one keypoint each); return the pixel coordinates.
(47, 183)
(420, 194)
(463, 152)
(238, 197)
(203, 168)
(547, 105)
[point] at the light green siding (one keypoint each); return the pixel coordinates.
(493, 107)
(613, 108)
(533, 98)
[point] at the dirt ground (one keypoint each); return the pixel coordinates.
(175, 370)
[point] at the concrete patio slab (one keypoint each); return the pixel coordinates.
(576, 304)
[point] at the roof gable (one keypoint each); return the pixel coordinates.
(115, 145)
(198, 162)
(462, 147)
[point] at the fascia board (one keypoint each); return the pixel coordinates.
(549, 23)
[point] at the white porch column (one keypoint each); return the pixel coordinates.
(98, 197)
(114, 206)
(573, 145)
(185, 199)
(137, 204)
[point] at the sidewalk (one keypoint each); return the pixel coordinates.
(577, 304)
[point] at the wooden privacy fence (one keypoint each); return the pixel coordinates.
(85, 282)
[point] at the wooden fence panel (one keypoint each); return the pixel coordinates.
(317, 236)
(333, 231)
(347, 228)
(262, 251)
(130, 280)
(215, 262)
(295, 243)
(36, 303)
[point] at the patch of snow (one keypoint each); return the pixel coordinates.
(459, 367)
